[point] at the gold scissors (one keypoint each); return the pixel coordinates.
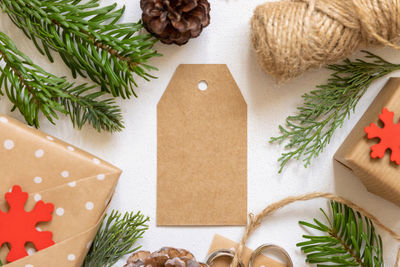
(229, 253)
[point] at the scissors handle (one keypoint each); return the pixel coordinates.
(222, 253)
(266, 247)
(231, 254)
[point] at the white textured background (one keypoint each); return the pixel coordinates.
(134, 150)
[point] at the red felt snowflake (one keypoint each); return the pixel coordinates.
(17, 227)
(389, 135)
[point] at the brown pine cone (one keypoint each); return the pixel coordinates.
(175, 21)
(165, 257)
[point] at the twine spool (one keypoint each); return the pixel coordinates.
(255, 221)
(293, 36)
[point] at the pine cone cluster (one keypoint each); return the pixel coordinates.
(165, 257)
(175, 21)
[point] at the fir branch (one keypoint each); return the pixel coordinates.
(88, 39)
(326, 108)
(116, 238)
(351, 240)
(33, 91)
(84, 107)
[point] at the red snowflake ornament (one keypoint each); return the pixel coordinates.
(17, 227)
(389, 135)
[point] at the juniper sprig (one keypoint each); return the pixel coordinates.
(325, 109)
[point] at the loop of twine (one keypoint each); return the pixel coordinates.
(255, 221)
(292, 36)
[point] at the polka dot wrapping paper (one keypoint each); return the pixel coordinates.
(79, 185)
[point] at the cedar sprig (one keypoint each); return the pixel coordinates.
(88, 39)
(350, 240)
(116, 238)
(326, 108)
(33, 91)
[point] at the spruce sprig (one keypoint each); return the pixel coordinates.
(88, 39)
(116, 238)
(350, 240)
(32, 91)
(326, 108)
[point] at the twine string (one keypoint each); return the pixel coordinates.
(255, 221)
(384, 10)
(292, 36)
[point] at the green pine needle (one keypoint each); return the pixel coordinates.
(350, 240)
(88, 39)
(326, 108)
(116, 238)
(33, 91)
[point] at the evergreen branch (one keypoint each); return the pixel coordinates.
(82, 109)
(116, 238)
(350, 240)
(88, 39)
(326, 108)
(33, 91)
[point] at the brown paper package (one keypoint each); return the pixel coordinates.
(78, 184)
(202, 149)
(220, 242)
(380, 176)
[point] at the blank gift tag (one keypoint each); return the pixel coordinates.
(202, 149)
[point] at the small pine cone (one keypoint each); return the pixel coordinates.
(175, 21)
(165, 257)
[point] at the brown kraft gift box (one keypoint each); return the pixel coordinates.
(380, 176)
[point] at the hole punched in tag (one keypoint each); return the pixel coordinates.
(202, 85)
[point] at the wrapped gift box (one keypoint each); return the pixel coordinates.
(380, 176)
(79, 185)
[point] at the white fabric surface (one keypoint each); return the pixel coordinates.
(134, 150)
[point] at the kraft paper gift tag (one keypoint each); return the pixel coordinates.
(220, 242)
(79, 185)
(202, 149)
(380, 176)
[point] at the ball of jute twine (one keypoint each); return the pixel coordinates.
(292, 36)
(255, 221)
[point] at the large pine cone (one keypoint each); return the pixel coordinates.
(175, 21)
(165, 257)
